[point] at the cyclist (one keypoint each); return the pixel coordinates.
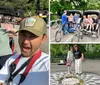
(95, 22)
(89, 23)
(64, 22)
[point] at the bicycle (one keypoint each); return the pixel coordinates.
(59, 33)
(78, 34)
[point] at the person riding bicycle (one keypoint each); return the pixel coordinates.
(64, 22)
(89, 23)
(95, 22)
(71, 20)
(76, 17)
(78, 21)
(84, 24)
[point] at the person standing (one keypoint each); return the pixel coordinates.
(5, 51)
(79, 57)
(64, 22)
(70, 59)
(32, 65)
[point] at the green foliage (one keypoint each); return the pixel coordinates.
(27, 5)
(55, 7)
(56, 60)
(59, 51)
(54, 17)
(60, 5)
(92, 55)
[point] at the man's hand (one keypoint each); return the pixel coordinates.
(82, 58)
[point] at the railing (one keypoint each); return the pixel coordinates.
(55, 23)
(57, 60)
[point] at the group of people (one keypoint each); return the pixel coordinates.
(70, 22)
(90, 23)
(76, 54)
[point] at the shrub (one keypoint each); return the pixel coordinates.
(92, 55)
(54, 17)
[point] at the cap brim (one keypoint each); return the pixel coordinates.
(35, 32)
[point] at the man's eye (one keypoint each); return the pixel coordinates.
(32, 36)
(23, 34)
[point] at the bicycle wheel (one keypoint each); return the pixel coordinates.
(58, 36)
(97, 33)
(75, 38)
(81, 35)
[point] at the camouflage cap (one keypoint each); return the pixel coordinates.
(34, 25)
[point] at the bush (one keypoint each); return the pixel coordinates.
(92, 55)
(54, 17)
(56, 59)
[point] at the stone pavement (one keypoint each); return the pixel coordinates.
(88, 78)
(91, 72)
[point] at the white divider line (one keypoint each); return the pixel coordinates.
(52, 39)
(55, 20)
(69, 38)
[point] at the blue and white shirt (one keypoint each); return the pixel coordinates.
(64, 19)
(38, 74)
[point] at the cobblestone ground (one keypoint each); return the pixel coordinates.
(89, 78)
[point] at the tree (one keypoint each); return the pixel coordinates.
(40, 5)
(60, 5)
(27, 5)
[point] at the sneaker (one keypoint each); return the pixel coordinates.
(80, 73)
(85, 30)
(89, 31)
(93, 32)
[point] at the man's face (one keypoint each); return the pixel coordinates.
(29, 43)
(84, 17)
(65, 12)
(75, 48)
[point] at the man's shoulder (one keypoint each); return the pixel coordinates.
(44, 56)
(44, 60)
(64, 15)
(13, 57)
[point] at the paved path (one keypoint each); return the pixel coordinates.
(91, 72)
(88, 66)
(88, 78)
(68, 37)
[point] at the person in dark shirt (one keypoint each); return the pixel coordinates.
(79, 57)
(95, 21)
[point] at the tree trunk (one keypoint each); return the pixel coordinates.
(38, 5)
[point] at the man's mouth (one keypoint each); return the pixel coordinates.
(26, 49)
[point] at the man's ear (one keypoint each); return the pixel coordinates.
(44, 38)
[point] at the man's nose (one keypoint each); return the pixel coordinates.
(26, 40)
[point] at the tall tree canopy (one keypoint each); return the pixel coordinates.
(32, 5)
(58, 6)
